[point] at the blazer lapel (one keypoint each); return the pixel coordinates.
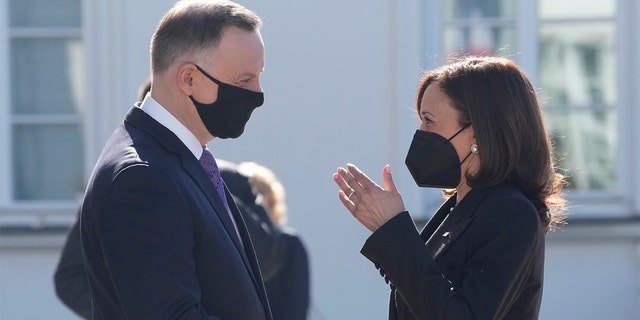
(453, 221)
(193, 167)
(190, 164)
(437, 219)
(242, 227)
(449, 231)
(250, 259)
(245, 248)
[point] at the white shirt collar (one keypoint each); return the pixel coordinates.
(156, 111)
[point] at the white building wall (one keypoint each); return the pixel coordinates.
(26, 278)
(593, 272)
(339, 85)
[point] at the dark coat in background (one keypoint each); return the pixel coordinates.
(282, 255)
(288, 290)
(270, 244)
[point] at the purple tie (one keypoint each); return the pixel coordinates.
(208, 162)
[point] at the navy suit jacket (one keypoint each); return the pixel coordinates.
(482, 259)
(156, 238)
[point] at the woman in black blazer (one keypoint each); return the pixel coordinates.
(481, 256)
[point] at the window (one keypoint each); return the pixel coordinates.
(570, 51)
(45, 104)
(577, 64)
(479, 27)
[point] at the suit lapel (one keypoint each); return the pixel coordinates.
(193, 167)
(437, 219)
(448, 232)
(190, 164)
(247, 245)
(245, 248)
(449, 224)
(250, 259)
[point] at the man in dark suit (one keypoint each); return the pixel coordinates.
(278, 253)
(161, 235)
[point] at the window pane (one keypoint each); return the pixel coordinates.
(47, 162)
(576, 8)
(585, 142)
(480, 40)
(44, 13)
(578, 63)
(46, 76)
(478, 8)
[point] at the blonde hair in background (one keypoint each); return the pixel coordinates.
(266, 184)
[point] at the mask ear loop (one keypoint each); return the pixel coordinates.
(210, 77)
(474, 150)
(465, 158)
(457, 133)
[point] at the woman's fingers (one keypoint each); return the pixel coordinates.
(361, 181)
(346, 191)
(370, 204)
(344, 180)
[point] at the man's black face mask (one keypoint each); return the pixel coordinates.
(228, 115)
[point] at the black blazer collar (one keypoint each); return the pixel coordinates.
(451, 220)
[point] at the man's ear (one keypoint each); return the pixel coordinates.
(185, 78)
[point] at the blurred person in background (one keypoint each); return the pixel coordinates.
(288, 290)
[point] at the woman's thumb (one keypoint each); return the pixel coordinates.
(387, 178)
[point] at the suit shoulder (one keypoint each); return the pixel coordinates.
(125, 151)
(117, 156)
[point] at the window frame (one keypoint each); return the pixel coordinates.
(34, 214)
(105, 44)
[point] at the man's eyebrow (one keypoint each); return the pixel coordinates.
(247, 75)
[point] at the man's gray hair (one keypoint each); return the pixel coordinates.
(192, 26)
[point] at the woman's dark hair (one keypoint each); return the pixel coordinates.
(496, 97)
